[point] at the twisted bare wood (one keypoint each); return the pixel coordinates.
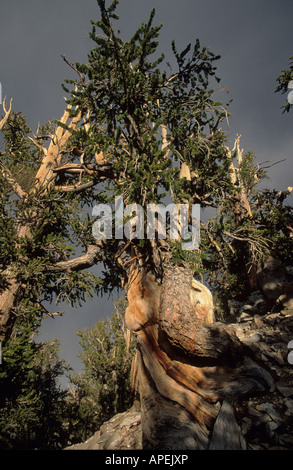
(191, 369)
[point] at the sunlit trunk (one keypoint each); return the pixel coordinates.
(190, 367)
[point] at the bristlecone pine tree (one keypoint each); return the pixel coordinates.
(132, 129)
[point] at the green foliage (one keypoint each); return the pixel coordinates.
(283, 80)
(103, 388)
(32, 404)
(58, 225)
(276, 220)
(128, 98)
(236, 244)
(20, 156)
(147, 120)
(37, 230)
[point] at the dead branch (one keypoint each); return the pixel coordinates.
(75, 188)
(50, 314)
(7, 112)
(213, 241)
(53, 155)
(262, 243)
(73, 67)
(273, 164)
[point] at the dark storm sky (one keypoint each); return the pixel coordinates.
(253, 37)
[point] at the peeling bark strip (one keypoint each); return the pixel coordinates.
(188, 365)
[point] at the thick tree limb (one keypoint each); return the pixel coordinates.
(93, 254)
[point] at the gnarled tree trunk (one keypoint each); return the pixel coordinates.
(191, 369)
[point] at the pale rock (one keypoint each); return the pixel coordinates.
(285, 390)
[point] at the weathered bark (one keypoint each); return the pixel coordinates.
(191, 369)
(8, 299)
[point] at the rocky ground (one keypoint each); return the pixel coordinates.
(265, 323)
(122, 432)
(267, 421)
